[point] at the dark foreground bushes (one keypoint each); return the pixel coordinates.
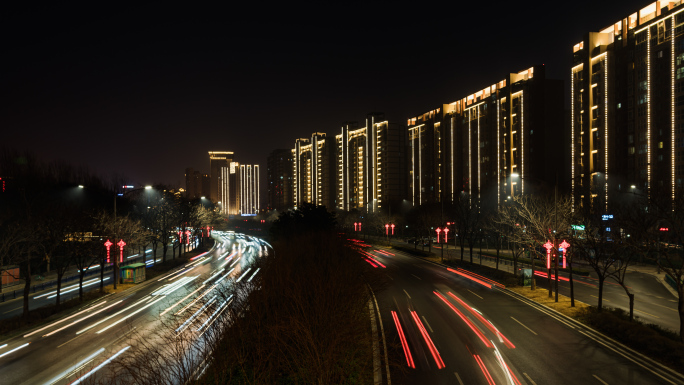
(308, 322)
(651, 340)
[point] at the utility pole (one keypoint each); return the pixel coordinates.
(555, 232)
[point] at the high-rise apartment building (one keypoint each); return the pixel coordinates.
(197, 184)
(249, 189)
(494, 143)
(279, 179)
(627, 108)
(217, 160)
(313, 172)
(230, 189)
(371, 165)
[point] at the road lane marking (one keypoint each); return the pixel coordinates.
(407, 294)
(417, 277)
(8, 311)
(529, 379)
(389, 277)
(523, 325)
(427, 324)
(641, 311)
(597, 297)
(599, 378)
(80, 335)
(475, 294)
(666, 307)
(459, 378)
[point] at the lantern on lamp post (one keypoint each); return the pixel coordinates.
(438, 230)
(549, 246)
(564, 247)
(121, 245)
(108, 244)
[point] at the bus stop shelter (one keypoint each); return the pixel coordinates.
(134, 273)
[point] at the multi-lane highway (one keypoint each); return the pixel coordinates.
(80, 344)
(452, 329)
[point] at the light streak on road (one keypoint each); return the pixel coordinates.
(76, 288)
(488, 377)
(255, 273)
(404, 343)
(223, 277)
(65, 319)
(14, 350)
(470, 278)
(509, 373)
(98, 367)
(369, 261)
(166, 290)
(486, 322)
(212, 276)
(64, 288)
(428, 341)
(472, 326)
(194, 315)
(81, 363)
(236, 261)
(226, 301)
(112, 316)
(493, 282)
(176, 304)
(130, 315)
(82, 319)
(243, 275)
(196, 299)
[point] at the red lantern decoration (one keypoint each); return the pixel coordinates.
(108, 244)
(121, 245)
(548, 245)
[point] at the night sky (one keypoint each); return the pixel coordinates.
(146, 91)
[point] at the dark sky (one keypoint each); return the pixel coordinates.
(147, 91)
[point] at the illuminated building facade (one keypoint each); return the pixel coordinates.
(371, 165)
(279, 179)
(627, 108)
(230, 189)
(217, 161)
(313, 179)
(249, 189)
(501, 141)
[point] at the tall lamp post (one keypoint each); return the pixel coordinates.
(116, 228)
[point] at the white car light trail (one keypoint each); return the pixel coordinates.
(176, 304)
(243, 275)
(198, 312)
(82, 319)
(130, 315)
(14, 350)
(77, 366)
(98, 367)
(64, 319)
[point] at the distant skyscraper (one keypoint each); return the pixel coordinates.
(279, 179)
(217, 160)
(190, 190)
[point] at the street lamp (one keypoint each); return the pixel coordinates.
(116, 231)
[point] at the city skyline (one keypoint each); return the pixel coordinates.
(179, 97)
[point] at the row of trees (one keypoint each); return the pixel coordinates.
(55, 217)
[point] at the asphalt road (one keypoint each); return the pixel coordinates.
(76, 343)
(487, 335)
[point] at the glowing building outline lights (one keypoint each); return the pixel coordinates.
(605, 124)
(498, 154)
(672, 109)
(452, 158)
(470, 156)
(648, 109)
(479, 158)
